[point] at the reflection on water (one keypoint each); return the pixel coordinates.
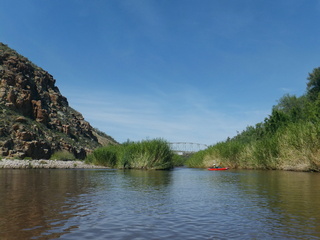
(37, 201)
(179, 204)
(293, 196)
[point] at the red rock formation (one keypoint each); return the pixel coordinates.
(43, 121)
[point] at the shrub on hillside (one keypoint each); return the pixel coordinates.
(62, 155)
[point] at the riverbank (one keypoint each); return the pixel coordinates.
(49, 164)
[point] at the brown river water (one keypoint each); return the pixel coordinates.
(179, 204)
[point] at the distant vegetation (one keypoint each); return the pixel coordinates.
(288, 139)
(146, 154)
(62, 155)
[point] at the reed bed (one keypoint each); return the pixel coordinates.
(292, 147)
(146, 154)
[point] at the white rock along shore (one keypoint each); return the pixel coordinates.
(50, 164)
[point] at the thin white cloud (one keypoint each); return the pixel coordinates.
(288, 90)
(140, 117)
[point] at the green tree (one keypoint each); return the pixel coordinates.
(313, 85)
(276, 120)
(292, 106)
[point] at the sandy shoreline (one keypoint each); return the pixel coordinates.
(49, 164)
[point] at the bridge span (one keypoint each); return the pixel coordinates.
(187, 147)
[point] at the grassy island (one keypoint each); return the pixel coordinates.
(288, 139)
(146, 154)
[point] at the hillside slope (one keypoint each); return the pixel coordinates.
(35, 119)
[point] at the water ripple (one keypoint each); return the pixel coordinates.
(180, 204)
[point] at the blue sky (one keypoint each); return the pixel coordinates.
(183, 70)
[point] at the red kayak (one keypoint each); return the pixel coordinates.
(218, 169)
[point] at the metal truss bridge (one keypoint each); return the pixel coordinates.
(187, 147)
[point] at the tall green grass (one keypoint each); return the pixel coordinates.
(292, 147)
(146, 154)
(289, 138)
(197, 160)
(299, 146)
(223, 153)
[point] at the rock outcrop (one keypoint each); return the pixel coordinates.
(36, 120)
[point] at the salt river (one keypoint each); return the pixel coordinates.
(180, 204)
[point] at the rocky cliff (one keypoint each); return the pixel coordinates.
(36, 120)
